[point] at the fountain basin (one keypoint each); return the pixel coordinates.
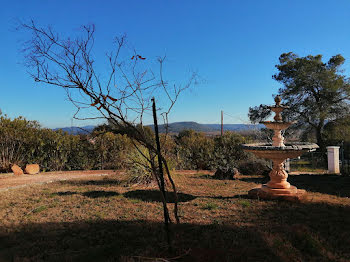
(290, 150)
(278, 187)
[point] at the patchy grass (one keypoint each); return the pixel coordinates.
(210, 206)
(106, 219)
(245, 203)
(39, 209)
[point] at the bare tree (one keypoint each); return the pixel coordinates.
(122, 95)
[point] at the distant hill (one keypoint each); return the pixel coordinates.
(176, 127)
(179, 126)
(74, 130)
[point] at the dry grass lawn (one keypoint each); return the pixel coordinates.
(104, 219)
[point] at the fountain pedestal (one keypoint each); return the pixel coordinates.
(278, 152)
(278, 186)
(294, 194)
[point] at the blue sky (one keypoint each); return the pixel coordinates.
(233, 45)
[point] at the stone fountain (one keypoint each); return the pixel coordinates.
(278, 152)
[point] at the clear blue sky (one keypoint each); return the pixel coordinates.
(234, 46)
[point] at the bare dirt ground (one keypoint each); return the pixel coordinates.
(10, 181)
(92, 217)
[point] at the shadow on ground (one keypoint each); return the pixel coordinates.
(115, 240)
(100, 182)
(327, 184)
(284, 232)
(91, 194)
(65, 193)
(154, 196)
(96, 194)
(144, 195)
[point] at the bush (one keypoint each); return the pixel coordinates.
(18, 141)
(227, 152)
(138, 168)
(112, 150)
(82, 155)
(194, 150)
(169, 151)
(254, 166)
(53, 150)
(25, 142)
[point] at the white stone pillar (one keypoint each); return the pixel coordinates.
(333, 159)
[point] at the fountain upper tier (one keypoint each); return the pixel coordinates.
(278, 147)
(278, 140)
(278, 125)
(278, 108)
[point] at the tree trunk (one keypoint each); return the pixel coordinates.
(322, 145)
(319, 136)
(167, 220)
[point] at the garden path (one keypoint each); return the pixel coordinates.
(10, 181)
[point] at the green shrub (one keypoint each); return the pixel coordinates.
(169, 151)
(227, 152)
(18, 141)
(139, 169)
(54, 149)
(112, 150)
(82, 155)
(24, 142)
(254, 166)
(194, 150)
